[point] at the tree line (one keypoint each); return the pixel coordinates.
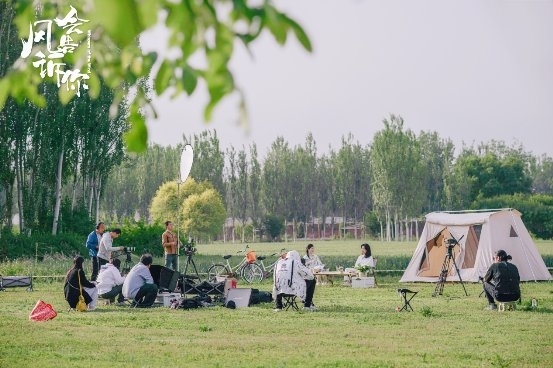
(55, 157)
(385, 184)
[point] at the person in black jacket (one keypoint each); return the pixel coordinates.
(502, 281)
(71, 286)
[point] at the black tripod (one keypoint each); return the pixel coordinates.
(445, 267)
(189, 251)
(128, 263)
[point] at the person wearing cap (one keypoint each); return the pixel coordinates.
(502, 281)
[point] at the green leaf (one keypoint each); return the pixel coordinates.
(273, 21)
(94, 85)
(189, 80)
(136, 139)
(120, 19)
(163, 77)
(65, 94)
(148, 10)
(299, 32)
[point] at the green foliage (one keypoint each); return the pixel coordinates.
(274, 225)
(199, 30)
(372, 225)
(203, 215)
(426, 311)
(202, 212)
(351, 328)
(537, 211)
(41, 245)
(142, 236)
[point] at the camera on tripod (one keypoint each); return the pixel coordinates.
(189, 250)
(451, 242)
(129, 249)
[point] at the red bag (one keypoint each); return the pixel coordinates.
(42, 312)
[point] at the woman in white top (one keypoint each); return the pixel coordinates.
(313, 262)
(365, 259)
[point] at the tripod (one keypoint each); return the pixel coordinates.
(128, 263)
(445, 267)
(190, 261)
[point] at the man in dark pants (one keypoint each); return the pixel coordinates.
(139, 283)
(502, 281)
(92, 242)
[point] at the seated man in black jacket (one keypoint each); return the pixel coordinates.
(502, 281)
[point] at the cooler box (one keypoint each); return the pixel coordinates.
(362, 282)
(166, 298)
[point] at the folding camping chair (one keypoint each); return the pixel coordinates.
(289, 301)
(406, 296)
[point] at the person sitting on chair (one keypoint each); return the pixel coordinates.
(364, 259)
(289, 278)
(110, 282)
(76, 282)
(502, 281)
(139, 283)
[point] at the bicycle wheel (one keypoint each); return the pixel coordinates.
(215, 270)
(252, 273)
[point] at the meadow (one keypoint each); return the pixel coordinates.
(351, 328)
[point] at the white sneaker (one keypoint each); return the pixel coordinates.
(308, 309)
(313, 308)
(277, 309)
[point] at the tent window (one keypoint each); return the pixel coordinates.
(513, 233)
(477, 230)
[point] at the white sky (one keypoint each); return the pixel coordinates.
(472, 70)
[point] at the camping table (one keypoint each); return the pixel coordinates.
(331, 274)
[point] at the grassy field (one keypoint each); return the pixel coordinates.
(352, 328)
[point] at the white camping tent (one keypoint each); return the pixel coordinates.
(479, 236)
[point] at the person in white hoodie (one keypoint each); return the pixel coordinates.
(289, 278)
(110, 282)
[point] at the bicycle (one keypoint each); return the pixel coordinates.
(268, 270)
(247, 268)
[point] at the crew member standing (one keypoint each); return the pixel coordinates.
(170, 243)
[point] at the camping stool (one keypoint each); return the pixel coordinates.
(406, 298)
(503, 306)
(289, 300)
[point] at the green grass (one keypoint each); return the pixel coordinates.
(352, 328)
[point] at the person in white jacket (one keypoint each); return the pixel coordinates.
(289, 278)
(105, 247)
(110, 282)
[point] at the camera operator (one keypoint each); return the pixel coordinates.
(139, 283)
(502, 281)
(170, 243)
(106, 246)
(110, 282)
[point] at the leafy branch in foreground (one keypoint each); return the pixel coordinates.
(203, 33)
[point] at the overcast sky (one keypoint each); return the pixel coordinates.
(471, 70)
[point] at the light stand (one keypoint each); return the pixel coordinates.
(445, 267)
(178, 227)
(186, 159)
